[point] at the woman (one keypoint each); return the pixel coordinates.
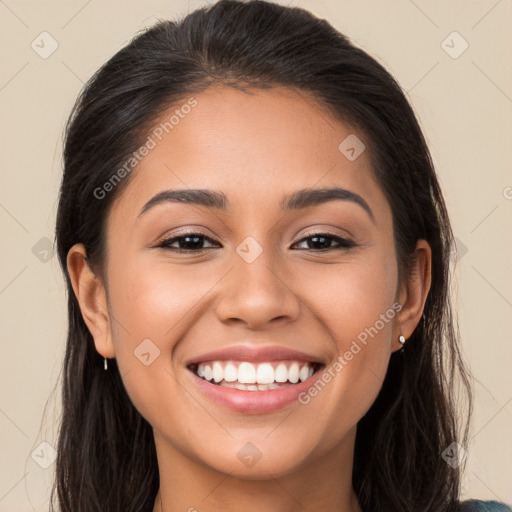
(257, 250)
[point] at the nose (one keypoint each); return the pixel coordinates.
(256, 294)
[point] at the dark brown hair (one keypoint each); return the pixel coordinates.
(106, 454)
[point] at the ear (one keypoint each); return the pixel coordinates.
(413, 293)
(91, 296)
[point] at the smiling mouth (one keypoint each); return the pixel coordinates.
(247, 376)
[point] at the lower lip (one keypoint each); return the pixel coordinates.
(253, 402)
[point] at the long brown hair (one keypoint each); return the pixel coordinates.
(106, 454)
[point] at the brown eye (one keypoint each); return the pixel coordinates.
(323, 242)
(188, 242)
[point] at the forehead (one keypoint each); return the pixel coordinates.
(259, 145)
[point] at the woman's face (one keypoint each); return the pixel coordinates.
(257, 279)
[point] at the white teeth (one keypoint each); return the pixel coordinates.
(254, 377)
(218, 372)
(230, 373)
(250, 387)
(304, 373)
(281, 374)
(246, 373)
(293, 373)
(265, 373)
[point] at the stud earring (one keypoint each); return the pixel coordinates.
(401, 339)
(105, 363)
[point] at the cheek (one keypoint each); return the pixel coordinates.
(158, 302)
(351, 296)
(356, 304)
(154, 300)
(366, 318)
(150, 307)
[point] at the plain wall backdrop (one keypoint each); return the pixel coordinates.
(453, 59)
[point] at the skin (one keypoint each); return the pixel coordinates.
(255, 148)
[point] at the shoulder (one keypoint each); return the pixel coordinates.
(484, 506)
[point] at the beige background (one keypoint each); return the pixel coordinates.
(464, 105)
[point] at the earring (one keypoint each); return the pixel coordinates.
(401, 339)
(105, 363)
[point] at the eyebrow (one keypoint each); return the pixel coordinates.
(299, 199)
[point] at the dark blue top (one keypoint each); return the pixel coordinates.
(484, 506)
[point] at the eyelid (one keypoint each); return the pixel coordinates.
(320, 231)
(184, 232)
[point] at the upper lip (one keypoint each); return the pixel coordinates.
(256, 354)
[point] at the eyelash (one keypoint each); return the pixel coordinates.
(344, 244)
